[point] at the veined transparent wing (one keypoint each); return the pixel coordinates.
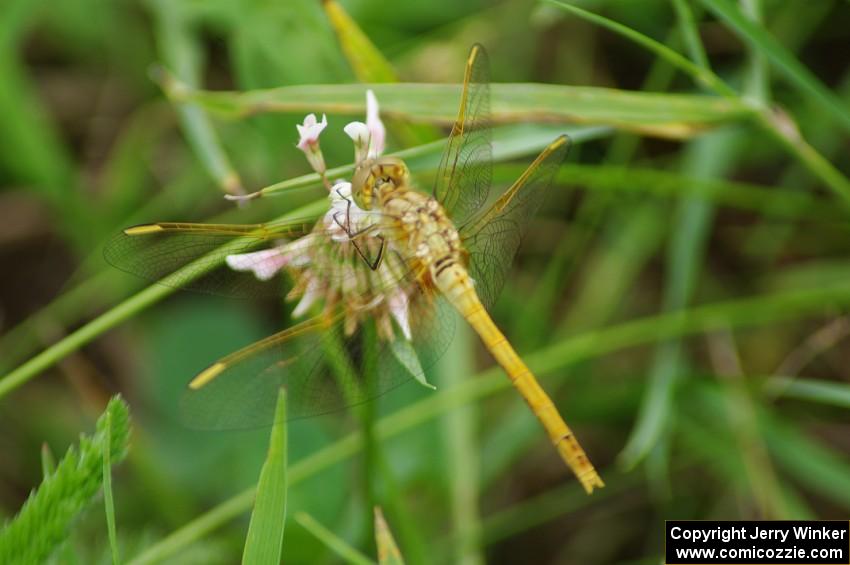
(194, 256)
(323, 367)
(466, 169)
(493, 238)
(241, 260)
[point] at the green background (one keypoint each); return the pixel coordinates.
(682, 295)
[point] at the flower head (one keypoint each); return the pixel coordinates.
(327, 265)
(308, 141)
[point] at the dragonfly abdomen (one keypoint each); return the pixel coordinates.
(458, 288)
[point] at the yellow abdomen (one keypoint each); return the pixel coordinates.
(454, 282)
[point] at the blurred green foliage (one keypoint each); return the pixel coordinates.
(683, 294)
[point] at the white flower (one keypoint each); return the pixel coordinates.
(309, 131)
(377, 131)
(308, 141)
(264, 264)
(359, 133)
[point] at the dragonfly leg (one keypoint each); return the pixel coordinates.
(373, 265)
(354, 236)
(380, 258)
(346, 227)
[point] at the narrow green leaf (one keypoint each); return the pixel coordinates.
(47, 516)
(405, 354)
(824, 392)
(107, 494)
(688, 27)
(332, 541)
(265, 532)
(700, 74)
(180, 51)
(462, 461)
(785, 62)
(758, 75)
(368, 63)
(665, 115)
(822, 469)
(388, 553)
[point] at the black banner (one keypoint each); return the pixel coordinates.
(692, 542)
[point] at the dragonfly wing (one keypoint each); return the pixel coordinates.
(323, 368)
(241, 260)
(194, 256)
(466, 169)
(492, 238)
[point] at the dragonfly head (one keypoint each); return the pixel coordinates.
(375, 175)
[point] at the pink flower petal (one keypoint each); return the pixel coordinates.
(264, 264)
(377, 131)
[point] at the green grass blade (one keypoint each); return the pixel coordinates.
(758, 75)
(462, 450)
(822, 392)
(333, 542)
(688, 28)
(699, 74)
(821, 469)
(265, 532)
(181, 53)
(665, 115)
(760, 39)
(368, 64)
(388, 553)
(46, 518)
(108, 500)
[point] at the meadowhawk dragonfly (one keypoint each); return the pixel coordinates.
(381, 271)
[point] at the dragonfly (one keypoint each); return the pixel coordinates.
(382, 272)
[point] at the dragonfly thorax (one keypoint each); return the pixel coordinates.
(377, 175)
(421, 230)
